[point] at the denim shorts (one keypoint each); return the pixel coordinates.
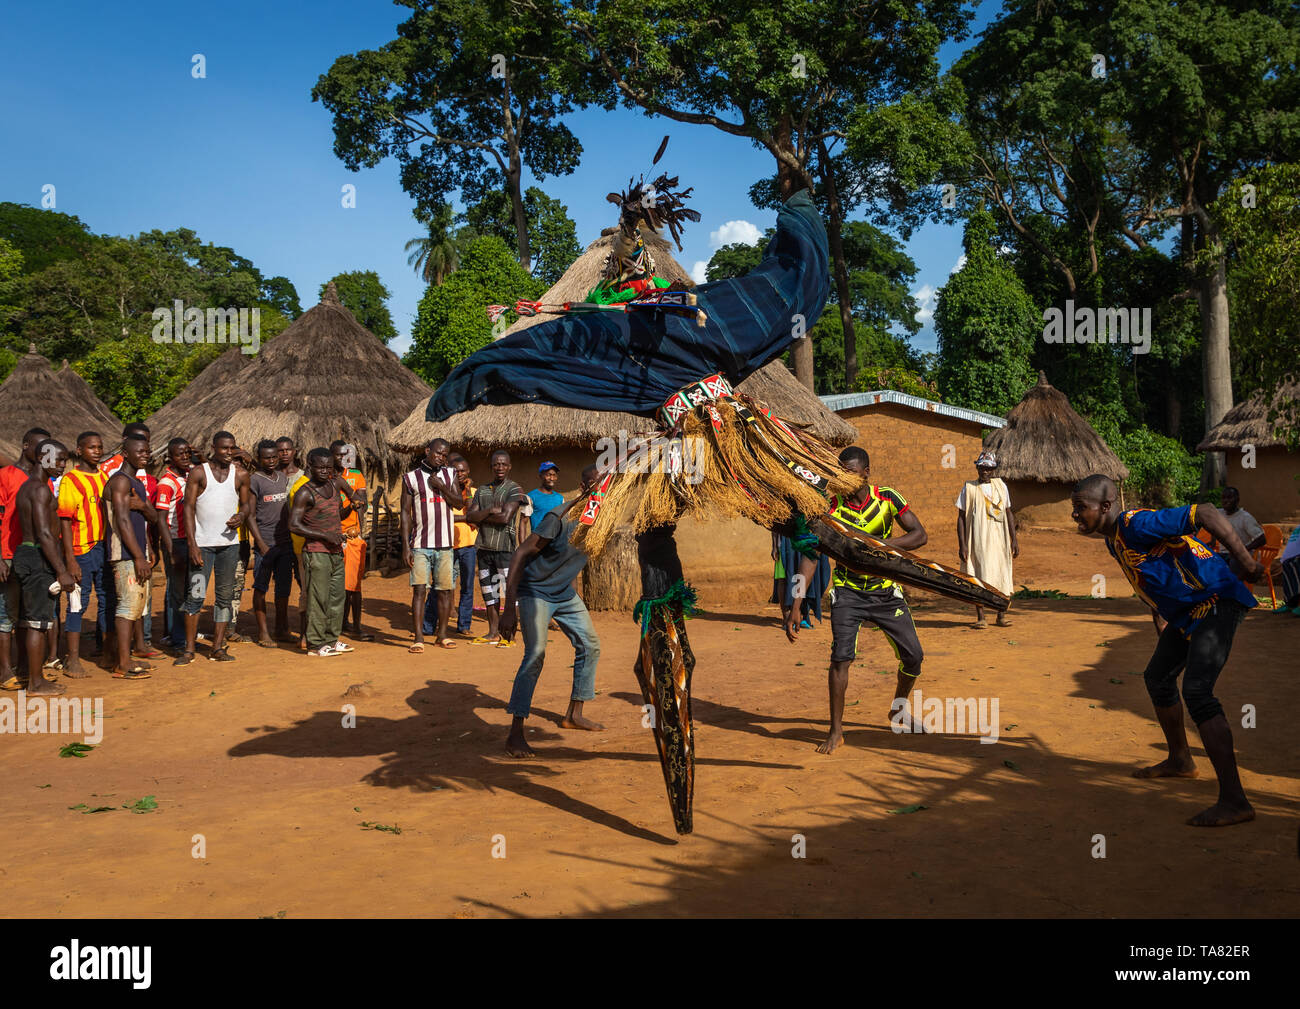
(433, 567)
(131, 595)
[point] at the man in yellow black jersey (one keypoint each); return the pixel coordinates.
(856, 598)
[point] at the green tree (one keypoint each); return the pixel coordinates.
(437, 253)
(1128, 118)
(1261, 232)
(468, 95)
(43, 236)
(364, 295)
(736, 259)
(553, 235)
(987, 326)
(788, 77)
(451, 322)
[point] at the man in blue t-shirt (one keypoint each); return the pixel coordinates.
(545, 498)
(541, 577)
(1197, 601)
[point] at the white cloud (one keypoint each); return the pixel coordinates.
(961, 261)
(697, 271)
(734, 231)
(925, 300)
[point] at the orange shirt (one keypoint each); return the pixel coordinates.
(80, 494)
(352, 522)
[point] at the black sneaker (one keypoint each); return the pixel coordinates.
(221, 655)
(184, 659)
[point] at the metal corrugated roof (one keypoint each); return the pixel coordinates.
(850, 400)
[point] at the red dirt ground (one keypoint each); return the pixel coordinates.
(253, 756)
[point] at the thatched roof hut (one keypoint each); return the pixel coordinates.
(109, 424)
(1045, 441)
(1044, 450)
(35, 395)
(1260, 465)
(325, 377)
(217, 374)
(1247, 423)
(534, 427)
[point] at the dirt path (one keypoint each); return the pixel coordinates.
(253, 756)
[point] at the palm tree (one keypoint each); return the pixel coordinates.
(436, 255)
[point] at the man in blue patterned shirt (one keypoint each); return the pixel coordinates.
(1197, 601)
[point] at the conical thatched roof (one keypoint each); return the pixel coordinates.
(1047, 442)
(325, 377)
(109, 423)
(523, 426)
(1247, 423)
(217, 374)
(35, 395)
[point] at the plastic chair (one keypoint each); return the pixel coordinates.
(1267, 554)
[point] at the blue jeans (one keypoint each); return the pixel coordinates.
(463, 571)
(92, 576)
(575, 622)
(177, 565)
(219, 562)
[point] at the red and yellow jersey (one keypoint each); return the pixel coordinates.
(81, 496)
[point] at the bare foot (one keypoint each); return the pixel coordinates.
(578, 722)
(1223, 814)
(1002, 620)
(75, 672)
(45, 689)
(517, 746)
(832, 743)
(1168, 768)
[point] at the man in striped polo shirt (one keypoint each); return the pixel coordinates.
(430, 492)
(858, 598)
(81, 517)
(176, 562)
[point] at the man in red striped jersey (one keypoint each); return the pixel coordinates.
(176, 562)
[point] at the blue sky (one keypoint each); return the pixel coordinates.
(100, 103)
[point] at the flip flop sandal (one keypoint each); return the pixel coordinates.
(265, 644)
(503, 643)
(339, 646)
(13, 683)
(134, 673)
(152, 653)
(55, 663)
(416, 649)
(480, 641)
(446, 643)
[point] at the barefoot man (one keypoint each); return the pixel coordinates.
(542, 571)
(1199, 601)
(858, 598)
(39, 561)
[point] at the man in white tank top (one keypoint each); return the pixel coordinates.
(216, 504)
